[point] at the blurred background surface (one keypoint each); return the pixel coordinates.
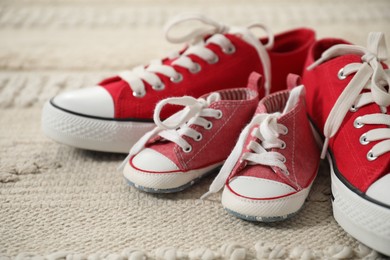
(55, 198)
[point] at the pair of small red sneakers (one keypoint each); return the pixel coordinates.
(267, 149)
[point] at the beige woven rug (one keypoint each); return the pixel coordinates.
(62, 203)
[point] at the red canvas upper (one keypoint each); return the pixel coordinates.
(231, 71)
(301, 152)
(237, 107)
(323, 88)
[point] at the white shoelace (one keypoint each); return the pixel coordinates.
(136, 76)
(178, 125)
(369, 75)
(267, 133)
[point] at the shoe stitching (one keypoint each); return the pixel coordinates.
(293, 150)
(292, 115)
(179, 155)
(219, 130)
(229, 105)
(268, 201)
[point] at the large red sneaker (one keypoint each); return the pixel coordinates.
(268, 175)
(111, 117)
(192, 142)
(348, 101)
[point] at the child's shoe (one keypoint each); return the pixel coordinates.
(269, 173)
(193, 142)
(111, 117)
(348, 101)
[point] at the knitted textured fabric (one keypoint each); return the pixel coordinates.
(56, 201)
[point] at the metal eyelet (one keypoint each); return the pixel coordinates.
(199, 137)
(219, 116)
(214, 60)
(341, 75)
(285, 132)
(230, 50)
(357, 124)
(353, 108)
(283, 145)
(286, 172)
(363, 139)
(177, 78)
(209, 126)
(159, 86)
(195, 69)
(139, 94)
(187, 149)
(370, 156)
(284, 159)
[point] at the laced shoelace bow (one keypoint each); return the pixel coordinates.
(137, 76)
(178, 125)
(369, 75)
(267, 133)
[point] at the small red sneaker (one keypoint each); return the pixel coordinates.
(348, 101)
(193, 142)
(269, 173)
(111, 117)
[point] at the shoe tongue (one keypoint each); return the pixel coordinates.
(246, 35)
(293, 99)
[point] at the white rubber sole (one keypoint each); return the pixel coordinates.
(90, 133)
(165, 182)
(366, 221)
(264, 210)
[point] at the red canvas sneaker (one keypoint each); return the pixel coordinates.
(193, 142)
(111, 117)
(348, 101)
(268, 175)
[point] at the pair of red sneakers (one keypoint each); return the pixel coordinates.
(268, 169)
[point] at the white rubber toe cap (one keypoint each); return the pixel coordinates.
(91, 101)
(153, 161)
(258, 188)
(380, 190)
